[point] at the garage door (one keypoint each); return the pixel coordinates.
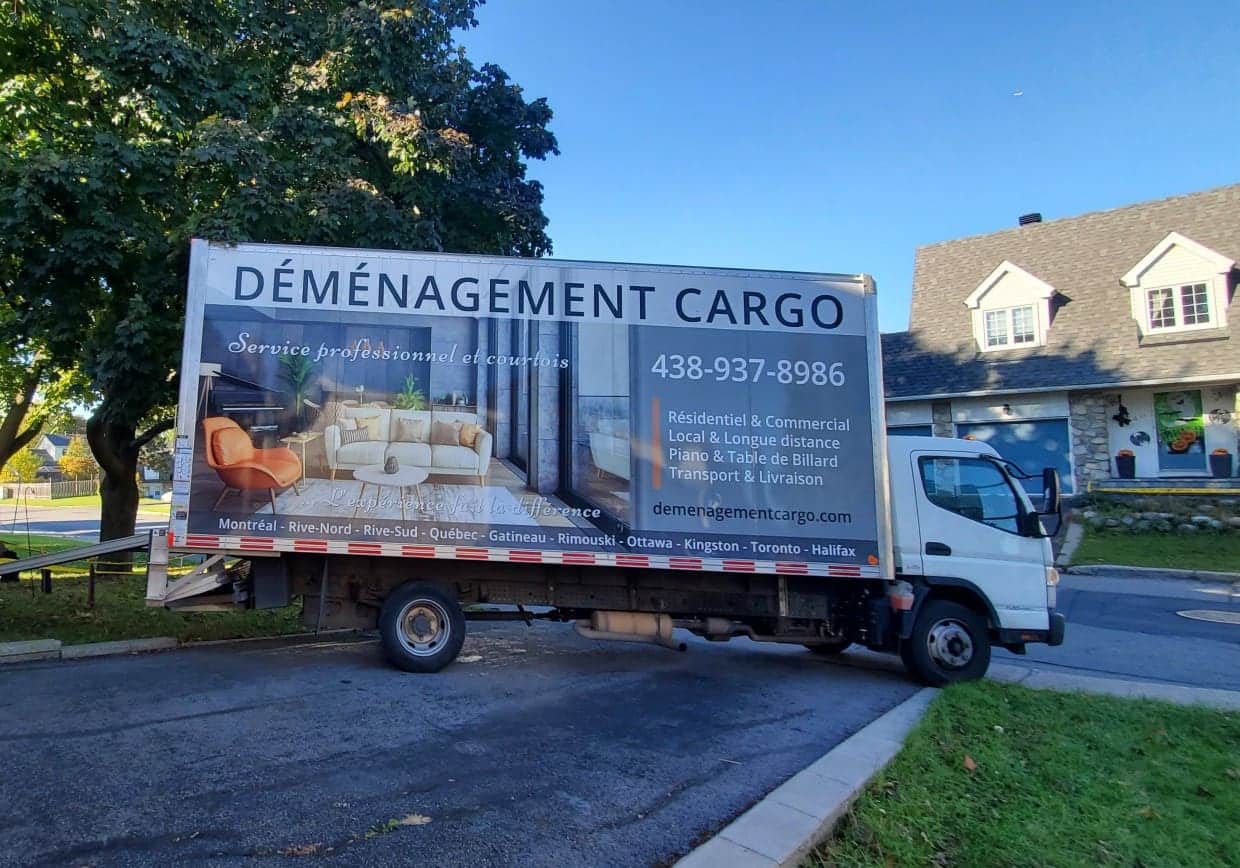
(1029, 445)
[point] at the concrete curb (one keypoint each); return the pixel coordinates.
(1071, 540)
(22, 652)
(207, 643)
(783, 827)
(124, 646)
(54, 649)
(1119, 571)
(1180, 694)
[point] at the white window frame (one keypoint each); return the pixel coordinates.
(1178, 309)
(1009, 328)
(1022, 291)
(1212, 271)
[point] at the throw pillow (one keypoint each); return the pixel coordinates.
(348, 423)
(469, 434)
(373, 426)
(445, 433)
(357, 435)
(410, 431)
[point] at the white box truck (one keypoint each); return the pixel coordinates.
(399, 437)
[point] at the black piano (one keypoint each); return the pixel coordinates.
(260, 410)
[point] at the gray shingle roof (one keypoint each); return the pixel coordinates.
(1093, 338)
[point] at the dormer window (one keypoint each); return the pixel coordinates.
(1010, 326)
(1011, 309)
(1178, 286)
(1173, 307)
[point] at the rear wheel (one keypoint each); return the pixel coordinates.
(833, 646)
(950, 643)
(421, 627)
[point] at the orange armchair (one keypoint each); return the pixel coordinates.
(241, 467)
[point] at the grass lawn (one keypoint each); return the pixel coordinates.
(120, 607)
(1203, 551)
(86, 501)
(37, 543)
(997, 774)
(121, 613)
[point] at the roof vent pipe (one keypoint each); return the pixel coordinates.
(1026, 219)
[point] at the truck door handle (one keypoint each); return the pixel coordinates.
(937, 548)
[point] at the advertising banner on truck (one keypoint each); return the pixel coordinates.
(435, 405)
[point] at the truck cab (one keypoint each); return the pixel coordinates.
(974, 564)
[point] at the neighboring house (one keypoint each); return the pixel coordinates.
(53, 444)
(51, 448)
(1065, 342)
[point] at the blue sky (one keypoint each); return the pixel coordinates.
(833, 136)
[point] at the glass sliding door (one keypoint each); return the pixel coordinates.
(596, 468)
(520, 340)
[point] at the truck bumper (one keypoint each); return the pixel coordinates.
(1059, 625)
(1051, 636)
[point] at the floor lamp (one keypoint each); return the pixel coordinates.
(207, 371)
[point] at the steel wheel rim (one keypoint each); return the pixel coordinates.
(950, 644)
(423, 627)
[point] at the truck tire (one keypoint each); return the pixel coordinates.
(950, 643)
(421, 627)
(837, 645)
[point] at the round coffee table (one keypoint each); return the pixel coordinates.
(405, 477)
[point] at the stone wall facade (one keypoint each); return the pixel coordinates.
(941, 419)
(1087, 423)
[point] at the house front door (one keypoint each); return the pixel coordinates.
(1181, 432)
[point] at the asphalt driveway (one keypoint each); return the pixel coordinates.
(536, 748)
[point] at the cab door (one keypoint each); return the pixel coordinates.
(968, 515)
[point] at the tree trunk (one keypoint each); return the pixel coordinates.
(12, 437)
(115, 446)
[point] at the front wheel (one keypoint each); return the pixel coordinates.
(950, 643)
(421, 627)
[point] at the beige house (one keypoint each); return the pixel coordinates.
(1101, 344)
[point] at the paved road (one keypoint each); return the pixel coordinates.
(1128, 628)
(537, 748)
(79, 522)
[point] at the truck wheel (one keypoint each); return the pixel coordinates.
(421, 627)
(950, 643)
(836, 645)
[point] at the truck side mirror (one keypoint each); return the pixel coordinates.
(1050, 491)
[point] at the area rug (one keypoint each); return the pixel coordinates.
(466, 504)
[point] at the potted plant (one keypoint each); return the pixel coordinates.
(410, 397)
(298, 372)
(1126, 464)
(1220, 464)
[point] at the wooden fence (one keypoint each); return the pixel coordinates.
(49, 490)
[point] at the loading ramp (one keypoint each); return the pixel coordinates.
(138, 541)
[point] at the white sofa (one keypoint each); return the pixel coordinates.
(436, 459)
(609, 448)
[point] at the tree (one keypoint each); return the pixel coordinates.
(34, 388)
(157, 455)
(24, 466)
(126, 128)
(77, 462)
